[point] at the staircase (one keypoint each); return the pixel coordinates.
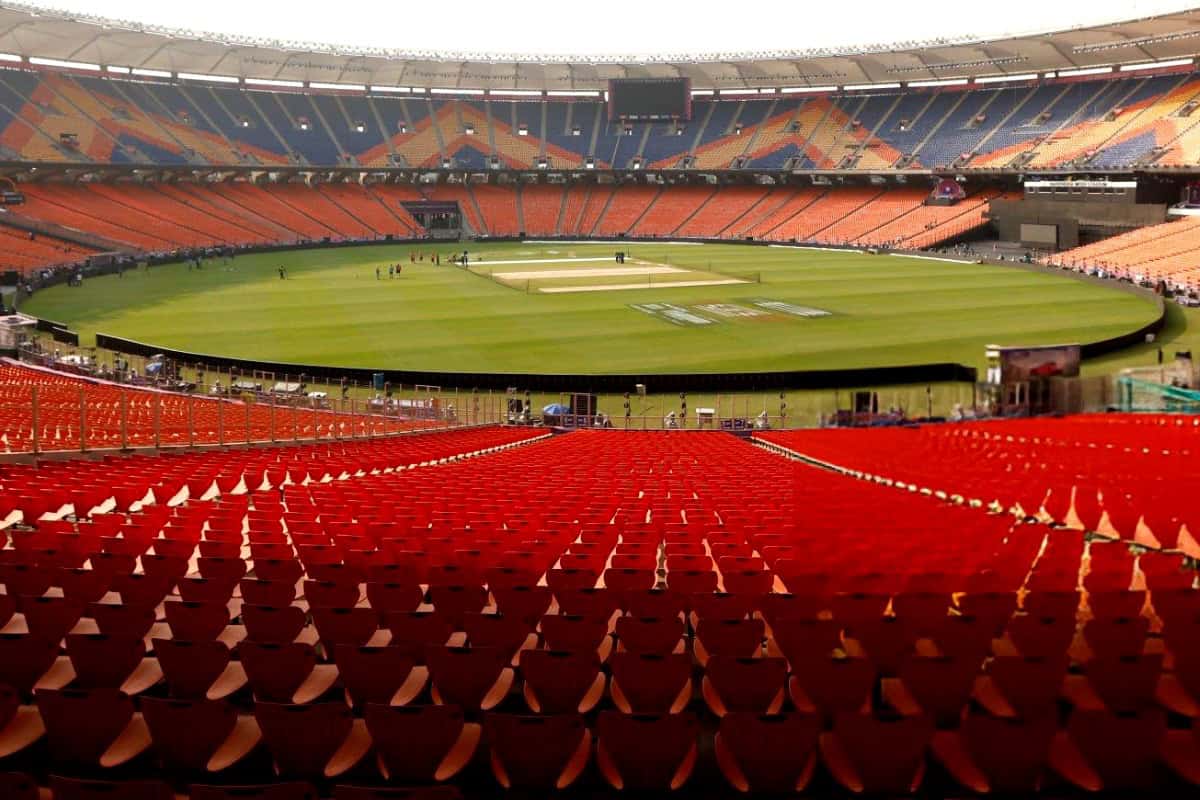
(695, 211)
(747, 212)
(601, 215)
(520, 201)
(562, 211)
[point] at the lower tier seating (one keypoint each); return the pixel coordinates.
(683, 610)
(113, 415)
(1156, 252)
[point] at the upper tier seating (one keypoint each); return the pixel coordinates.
(1111, 123)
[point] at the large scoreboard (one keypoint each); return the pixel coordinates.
(642, 99)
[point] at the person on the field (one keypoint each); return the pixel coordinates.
(282, 273)
(377, 273)
(391, 271)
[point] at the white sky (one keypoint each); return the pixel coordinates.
(617, 26)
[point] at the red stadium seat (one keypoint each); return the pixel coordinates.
(865, 754)
(562, 681)
(734, 684)
(91, 727)
(476, 678)
(315, 741)
(1101, 750)
(418, 744)
(386, 675)
(1002, 756)
(829, 686)
(646, 752)
(198, 735)
(767, 753)
(20, 726)
(285, 673)
(650, 682)
(537, 753)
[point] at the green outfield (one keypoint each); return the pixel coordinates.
(561, 307)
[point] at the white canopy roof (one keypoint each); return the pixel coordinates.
(34, 33)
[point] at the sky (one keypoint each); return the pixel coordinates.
(616, 27)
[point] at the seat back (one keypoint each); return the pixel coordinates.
(534, 752)
(772, 752)
(413, 741)
(648, 751)
(650, 683)
(747, 684)
(888, 755)
(1122, 748)
(186, 733)
(372, 674)
(558, 680)
(82, 723)
(303, 739)
(276, 671)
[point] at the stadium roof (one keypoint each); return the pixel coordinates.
(47, 36)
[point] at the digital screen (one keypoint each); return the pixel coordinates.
(650, 98)
(1036, 235)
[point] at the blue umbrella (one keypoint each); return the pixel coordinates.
(556, 409)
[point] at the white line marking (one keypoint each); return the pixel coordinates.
(542, 261)
(617, 244)
(813, 247)
(935, 258)
(616, 287)
(584, 273)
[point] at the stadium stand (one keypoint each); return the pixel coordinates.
(937, 629)
(211, 597)
(673, 208)
(627, 206)
(26, 253)
(499, 208)
(727, 206)
(1030, 463)
(1156, 252)
(1115, 122)
(166, 217)
(542, 208)
(116, 416)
